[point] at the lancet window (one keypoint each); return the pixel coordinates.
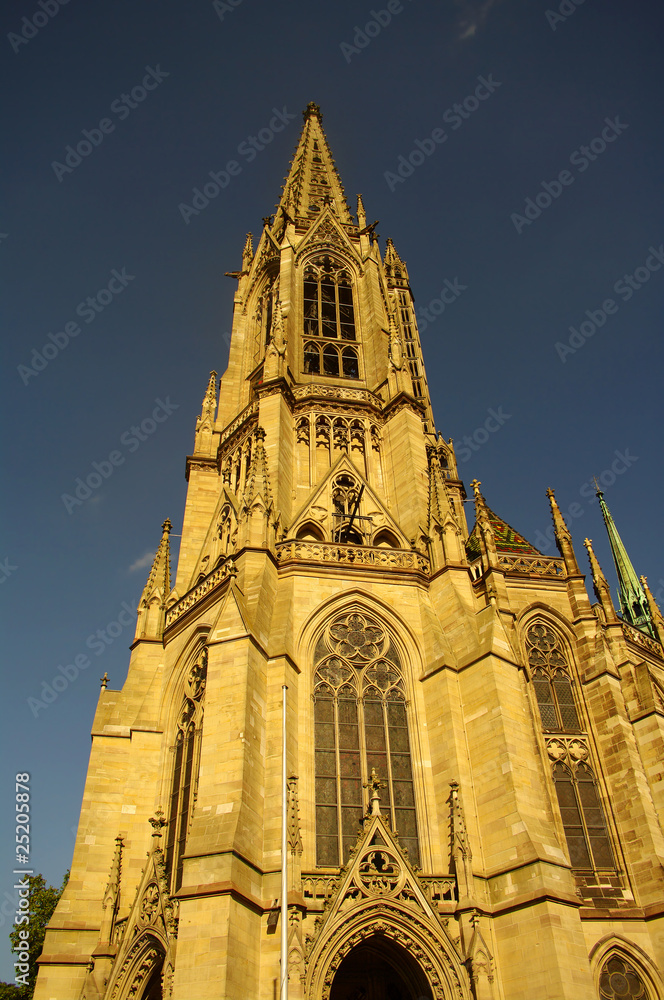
(262, 319)
(328, 300)
(576, 787)
(551, 680)
(329, 316)
(582, 815)
(360, 725)
(410, 343)
(186, 751)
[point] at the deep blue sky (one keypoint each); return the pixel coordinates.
(66, 575)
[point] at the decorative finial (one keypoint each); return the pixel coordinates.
(475, 485)
(312, 109)
(157, 822)
(104, 681)
(167, 527)
(259, 433)
(374, 783)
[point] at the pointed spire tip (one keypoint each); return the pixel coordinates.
(312, 109)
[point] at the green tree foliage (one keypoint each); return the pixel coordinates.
(8, 991)
(43, 899)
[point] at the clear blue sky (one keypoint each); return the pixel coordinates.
(552, 85)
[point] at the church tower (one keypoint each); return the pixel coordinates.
(475, 750)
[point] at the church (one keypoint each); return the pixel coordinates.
(474, 748)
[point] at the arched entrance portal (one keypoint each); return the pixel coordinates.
(153, 989)
(380, 969)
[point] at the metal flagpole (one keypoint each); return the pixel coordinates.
(284, 846)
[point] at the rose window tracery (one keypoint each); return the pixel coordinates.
(379, 872)
(620, 981)
(357, 639)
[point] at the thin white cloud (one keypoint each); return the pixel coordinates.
(143, 562)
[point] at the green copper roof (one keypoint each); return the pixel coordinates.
(508, 540)
(633, 603)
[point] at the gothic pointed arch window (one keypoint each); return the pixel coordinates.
(621, 980)
(569, 752)
(329, 319)
(361, 724)
(551, 679)
(582, 815)
(186, 754)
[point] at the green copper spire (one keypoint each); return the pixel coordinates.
(633, 603)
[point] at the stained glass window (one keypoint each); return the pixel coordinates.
(360, 723)
(580, 807)
(619, 980)
(583, 817)
(551, 680)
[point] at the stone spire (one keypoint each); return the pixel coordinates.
(257, 506)
(248, 253)
(205, 423)
(485, 531)
(655, 614)
(152, 606)
(361, 214)
(112, 894)
(443, 531)
(600, 585)
(563, 536)
(395, 267)
(633, 603)
(313, 180)
(460, 846)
